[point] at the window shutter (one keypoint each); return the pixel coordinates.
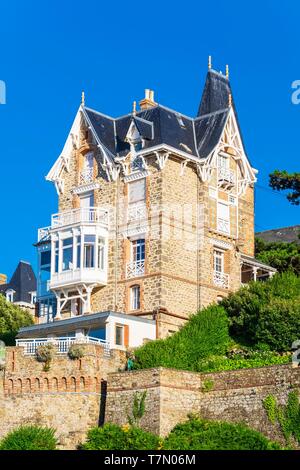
(137, 190)
(126, 335)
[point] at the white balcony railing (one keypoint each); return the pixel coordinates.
(62, 344)
(43, 232)
(227, 175)
(87, 176)
(136, 212)
(85, 215)
(135, 269)
(223, 225)
(221, 279)
(78, 276)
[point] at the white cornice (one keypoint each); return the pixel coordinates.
(86, 187)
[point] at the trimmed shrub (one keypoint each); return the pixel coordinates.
(30, 438)
(45, 354)
(198, 434)
(204, 334)
(75, 351)
(114, 437)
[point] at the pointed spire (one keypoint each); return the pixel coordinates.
(209, 62)
(227, 71)
(230, 100)
(83, 98)
(134, 108)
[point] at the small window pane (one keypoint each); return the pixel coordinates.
(119, 335)
(135, 298)
(45, 257)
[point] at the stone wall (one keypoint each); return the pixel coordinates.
(235, 396)
(70, 397)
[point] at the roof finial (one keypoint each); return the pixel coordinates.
(230, 100)
(209, 62)
(134, 108)
(83, 98)
(227, 71)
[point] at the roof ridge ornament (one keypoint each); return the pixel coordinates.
(83, 98)
(227, 71)
(134, 108)
(209, 62)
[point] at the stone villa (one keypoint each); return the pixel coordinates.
(155, 220)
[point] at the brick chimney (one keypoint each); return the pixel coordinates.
(3, 279)
(148, 101)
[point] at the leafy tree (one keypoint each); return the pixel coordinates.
(282, 181)
(282, 256)
(199, 434)
(12, 318)
(30, 438)
(266, 312)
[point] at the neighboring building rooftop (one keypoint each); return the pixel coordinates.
(23, 283)
(285, 234)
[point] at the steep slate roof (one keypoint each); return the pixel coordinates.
(285, 234)
(160, 125)
(23, 282)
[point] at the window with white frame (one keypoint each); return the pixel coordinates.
(32, 297)
(218, 261)
(135, 298)
(232, 200)
(138, 250)
(101, 253)
(223, 223)
(89, 251)
(223, 161)
(10, 295)
(67, 254)
(119, 335)
(56, 256)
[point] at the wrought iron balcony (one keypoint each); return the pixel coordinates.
(135, 269)
(83, 215)
(221, 279)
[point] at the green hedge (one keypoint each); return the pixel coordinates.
(198, 434)
(113, 437)
(266, 312)
(206, 333)
(29, 438)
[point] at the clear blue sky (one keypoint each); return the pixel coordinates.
(51, 50)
